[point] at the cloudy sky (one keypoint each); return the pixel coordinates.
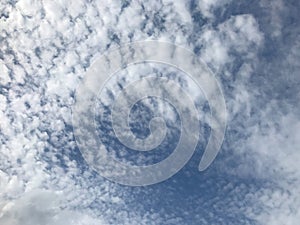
(252, 48)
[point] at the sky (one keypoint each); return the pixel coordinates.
(253, 50)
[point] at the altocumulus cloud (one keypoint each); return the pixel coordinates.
(45, 49)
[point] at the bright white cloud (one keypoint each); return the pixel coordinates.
(54, 42)
(42, 208)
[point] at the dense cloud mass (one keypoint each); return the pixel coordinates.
(253, 48)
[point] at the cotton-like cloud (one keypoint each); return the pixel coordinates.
(46, 48)
(42, 208)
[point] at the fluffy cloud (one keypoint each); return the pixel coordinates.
(42, 207)
(45, 49)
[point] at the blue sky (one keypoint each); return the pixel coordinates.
(253, 48)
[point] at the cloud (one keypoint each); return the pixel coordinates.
(239, 36)
(276, 10)
(46, 48)
(42, 208)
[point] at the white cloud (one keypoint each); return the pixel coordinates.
(208, 6)
(68, 46)
(42, 208)
(4, 79)
(238, 36)
(26, 9)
